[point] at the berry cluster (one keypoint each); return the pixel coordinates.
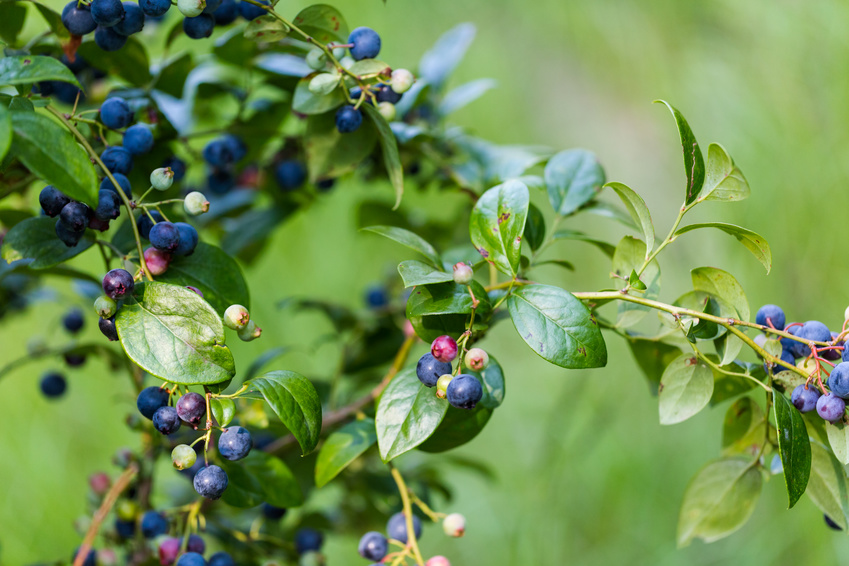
(374, 546)
(74, 217)
(434, 369)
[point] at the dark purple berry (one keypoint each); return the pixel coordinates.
(150, 399)
(191, 407)
(165, 420)
(118, 283)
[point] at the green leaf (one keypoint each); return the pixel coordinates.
(223, 410)
(12, 17)
(260, 478)
(558, 262)
(215, 273)
(606, 248)
(723, 285)
(492, 379)
(723, 181)
(50, 152)
(709, 304)
(464, 94)
(53, 19)
(439, 62)
(694, 163)
(573, 178)
(415, 272)
(371, 67)
(629, 255)
(131, 62)
(719, 500)
(459, 427)
(497, 224)
(685, 389)
(407, 414)
(753, 241)
(266, 28)
(324, 83)
(35, 238)
(638, 210)
(793, 446)
(444, 308)
(534, 233)
(827, 485)
(295, 400)
(729, 386)
(173, 334)
(389, 147)
(31, 69)
(635, 282)
(838, 439)
(409, 239)
(343, 447)
(557, 326)
(743, 429)
(331, 154)
(306, 102)
(652, 356)
(323, 23)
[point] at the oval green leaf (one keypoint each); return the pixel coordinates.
(331, 154)
(638, 210)
(415, 272)
(294, 399)
(31, 69)
(409, 239)
(497, 224)
(685, 389)
(838, 439)
(260, 478)
(743, 429)
(572, 178)
(652, 356)
(35, 239)
(723, 181)
(389, 148)
(444, 308)
(266, 29)
(534, 233)
(459, 427)
(223, 410)
(323, 23)
(793, 446)
(694, 163)
(343, 447)
(306, 102)
(827, 486)
(753, 241)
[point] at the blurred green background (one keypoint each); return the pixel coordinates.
(584, 473)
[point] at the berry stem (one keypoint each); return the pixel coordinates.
(108, 502)
(433, 515)
(408, 513)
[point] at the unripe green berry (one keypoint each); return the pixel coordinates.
(183, 456)
(387, 110)
(463, 273)
(339, 52)
(347, 62)
(236, 317)
(454, 525)
(161, 179)
(316, 59)
(105, 307)
(442, 385)
(402, 80)
(477, 359)
(127, 510)
(807, 365)
(191, 8)
(195, 203)
(250, 332)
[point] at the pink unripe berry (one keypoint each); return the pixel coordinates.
(463, 273)
(100, 483)
(168, 551)
(454, 525)
(438, 561)
(444, 349)
(477, 359)
(236, 317)
(409, 331)
(157, 260)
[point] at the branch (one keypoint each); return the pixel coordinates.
(108, 502)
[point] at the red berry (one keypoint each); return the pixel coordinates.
(444, 349)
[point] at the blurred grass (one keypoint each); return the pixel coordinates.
(584, 472)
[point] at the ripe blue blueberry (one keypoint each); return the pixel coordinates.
(220, 181)
(464, 391)
(271, 512)
(348, 119)
(377, 297)
(307, 539)
(838, 381)
(188, 238)
(52, 200)
(107, 185)
(165, 420)
(107, 13)
(833, 354)
(125, 529)
(831, 524)
(199, 27)
(221, 559)
(196, 544)
(805, 398)
(386, 94)
(771, 316)
(144, 223)
(153, 524)
(74, 359)
(77, 19)
(373, 546)
(250, 11)
(789, 345)
(226, 13)
(177, 166)
(118, 283)
(218, 153)
(154, 8)
(90, 559)
(396, 527)
(133, 21)
(73, 321)
(816, 331)
(191, 559)
(150, 399)
(117, 159)
(75, 216)
(210, 482)
(211, 6)
(53, 385)
(237, 147)
(290, 174)
(68, 236)
(115, 113)
(366, 43)
(164, 236)
(108, 39)
(138, 139)
(191, 407)
(107, 328)
(831, 407)
(234, 443)
(108, 205)
(429, 369)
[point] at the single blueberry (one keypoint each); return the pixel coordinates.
(74, 359)
(220, 181)
(73, 321)
(165, 420)
(153, 524)
(117, 159)
(218, 153)
(52, 200)
(150, 399)
(234, 443)
(108, 205)
(805, 398)
(155, 8)
(373, 546)
(108, 39)
(771, 315)
(210, 482)
(251, 11)
(221, 559)
(464, 391)
(144, 223)
(118, 283)
(366, 43)
(107, 13)
(133, 21)
(271, 512)
(138, 139)
(377, 297)
(191, 559)
(396, 527)
(199, 27)
(68, 236)
(191, 407)
(226, 13)
(348, 119)
(386, 94)
(125, 529)
(211, 6)
(75, 216)
(164, 236)
(838, 381)
(831, 407)
(188, 238)
(196, 544)
(237, 147)
(107, 328)
(107, 185)
(77, 18)
(429, 369)
(290, 174)
(53, 385)
(115, 113)
(816, 331)
(307, 539)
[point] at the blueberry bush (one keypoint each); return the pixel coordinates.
(176, 171)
